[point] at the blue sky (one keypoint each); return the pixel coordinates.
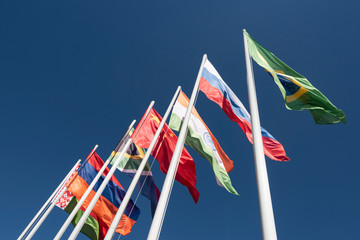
(75, 74)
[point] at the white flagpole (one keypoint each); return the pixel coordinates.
(137, 176)
(52, 205)
(42, 219)
(266, 210)
(47, 202)
(87, 192)
(82, 220)
(157, 222)
(44, 216)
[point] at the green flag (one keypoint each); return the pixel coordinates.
(297, 91)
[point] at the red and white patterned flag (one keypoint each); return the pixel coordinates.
(66, 197)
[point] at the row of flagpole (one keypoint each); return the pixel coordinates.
(87, 192)
(52, 205)
(136, 178)
(157, 222)
(101, 188)
(85, 215)
(47, 202)
(266, 211)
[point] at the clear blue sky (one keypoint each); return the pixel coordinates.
(76, 73)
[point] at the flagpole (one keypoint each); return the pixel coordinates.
(139, 171)
(47, 202)
(87, 159)
(52, 205)
(91, 205)
(158, 219)
(266, 210)
(44, 216)
(87, 192)
(82, 220)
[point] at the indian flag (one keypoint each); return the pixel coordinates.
(200, 138)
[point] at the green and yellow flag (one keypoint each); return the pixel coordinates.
(297, 91)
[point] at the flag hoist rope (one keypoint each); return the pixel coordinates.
(266, 210)
(52, 205)
(87, 192)
(48, 201)
(139, 171)
(82, 220)
(156, 224)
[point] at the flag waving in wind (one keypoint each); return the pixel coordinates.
(297, 91)
(130, 163)
(164, 149)
(94, 228)
(214, 87)
(110, 199)
(200, 138)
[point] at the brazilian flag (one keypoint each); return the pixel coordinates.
(297, 91)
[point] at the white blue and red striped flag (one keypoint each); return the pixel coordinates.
(214, 87)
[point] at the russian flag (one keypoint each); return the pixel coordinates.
(214, 87)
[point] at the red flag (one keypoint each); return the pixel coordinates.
(164, 149)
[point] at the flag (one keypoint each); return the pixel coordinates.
(164, 149)
(297, 91)
(130, 163)
(200, 138)
(214, 87)
(66, 197)
(93, 227)
(110, 199)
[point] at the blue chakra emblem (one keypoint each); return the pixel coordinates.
(208, 141)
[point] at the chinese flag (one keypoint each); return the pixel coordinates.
(164, 149)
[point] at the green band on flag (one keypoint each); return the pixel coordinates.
(194, 141)
(297, 91)
(91, 225)
(200, 138)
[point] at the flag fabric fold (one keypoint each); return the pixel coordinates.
(130, 163)
(298, 92)
(200, 138)
(94, 228)
(214, 87)
(164, 148)
(66, 197)
(109, 201)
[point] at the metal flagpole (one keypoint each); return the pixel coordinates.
(52, 205)
(47, 202)
(157, 222)
(42, 219)
(266, 210)
(82, 220)
(87, 192)
(137, 176)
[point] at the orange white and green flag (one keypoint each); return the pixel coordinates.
(200, 138)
